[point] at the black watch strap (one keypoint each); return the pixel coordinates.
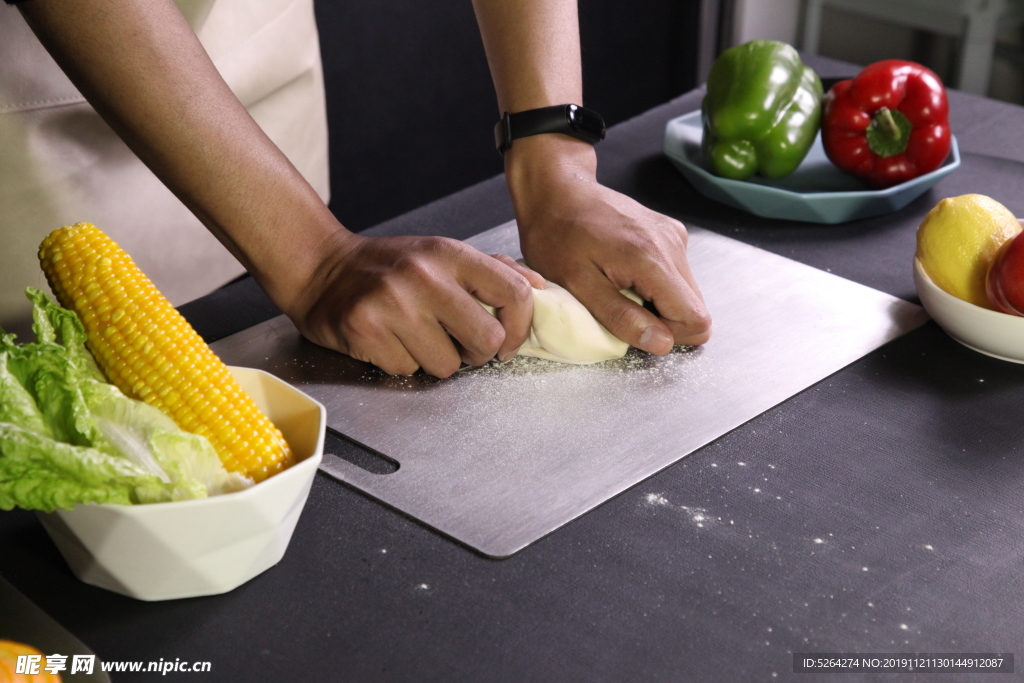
(568, 119)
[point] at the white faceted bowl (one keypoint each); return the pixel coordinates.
(995, 334)
(199, 547)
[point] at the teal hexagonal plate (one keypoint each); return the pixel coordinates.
(817, 192)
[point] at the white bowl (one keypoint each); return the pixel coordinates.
(206, 546)
(995, 334)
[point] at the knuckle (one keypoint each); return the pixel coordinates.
(652, 256)
(681, 231)
(701, 329)
(697, 339)
(643, 245)
(625, 320)
(696, 330)
(405, 366)
(443, 247)
(484, 342)
(520, 290)
(413, 266)
(491, 338)
(447, 367)
(316, 328)
(702, 321)
(395, 299)
(363, 321)
(361, 350)
(362, 354)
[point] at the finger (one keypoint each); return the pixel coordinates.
(430, 346)
(387, 352)
(479, 335)
(498, 285)
(678, 301)
(698, 329)
(682, 262)
(364, 336)
(624, 318)
(535, 279)
(667, 282)
(514, 321)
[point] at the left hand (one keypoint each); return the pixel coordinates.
(594, 242)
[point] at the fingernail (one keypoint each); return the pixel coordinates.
(507, 356)
(654, 339)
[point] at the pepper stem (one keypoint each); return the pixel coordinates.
(889, 132)
(884, 118)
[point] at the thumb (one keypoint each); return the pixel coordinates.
(626, 319)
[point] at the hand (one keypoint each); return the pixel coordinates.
(594, 242)
(403, 303)
(535, 279)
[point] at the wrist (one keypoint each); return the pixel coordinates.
(536, 165)
(294, 276)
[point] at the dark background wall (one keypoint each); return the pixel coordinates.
(411, 106)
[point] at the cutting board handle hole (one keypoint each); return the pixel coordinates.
(365, 458)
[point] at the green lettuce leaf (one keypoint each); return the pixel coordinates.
(39, 473)
(16, 404)
(152, 440)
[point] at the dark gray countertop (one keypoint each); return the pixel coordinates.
(888, 516)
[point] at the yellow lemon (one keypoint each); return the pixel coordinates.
(958, 240)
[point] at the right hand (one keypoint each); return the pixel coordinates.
(404, 303)
(595, 242)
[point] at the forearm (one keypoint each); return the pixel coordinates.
(141, 66)
(533, 49)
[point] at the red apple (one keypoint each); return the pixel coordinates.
(1005, 281)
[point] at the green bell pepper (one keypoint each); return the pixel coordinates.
(762, 111)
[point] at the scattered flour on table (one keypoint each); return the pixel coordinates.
(699, 516)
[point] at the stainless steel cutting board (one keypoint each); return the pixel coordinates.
(499, 456)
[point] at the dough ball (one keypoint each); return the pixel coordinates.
(564, 330)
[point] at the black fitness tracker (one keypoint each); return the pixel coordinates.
(569, 119)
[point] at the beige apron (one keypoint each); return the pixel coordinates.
(60, 163)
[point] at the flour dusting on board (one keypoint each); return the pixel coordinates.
(558, 402)
(633, 363)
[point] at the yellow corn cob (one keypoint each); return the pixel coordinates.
(150, 352)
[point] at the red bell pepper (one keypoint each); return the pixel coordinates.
(889, 124)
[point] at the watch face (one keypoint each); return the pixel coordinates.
(587, 122)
